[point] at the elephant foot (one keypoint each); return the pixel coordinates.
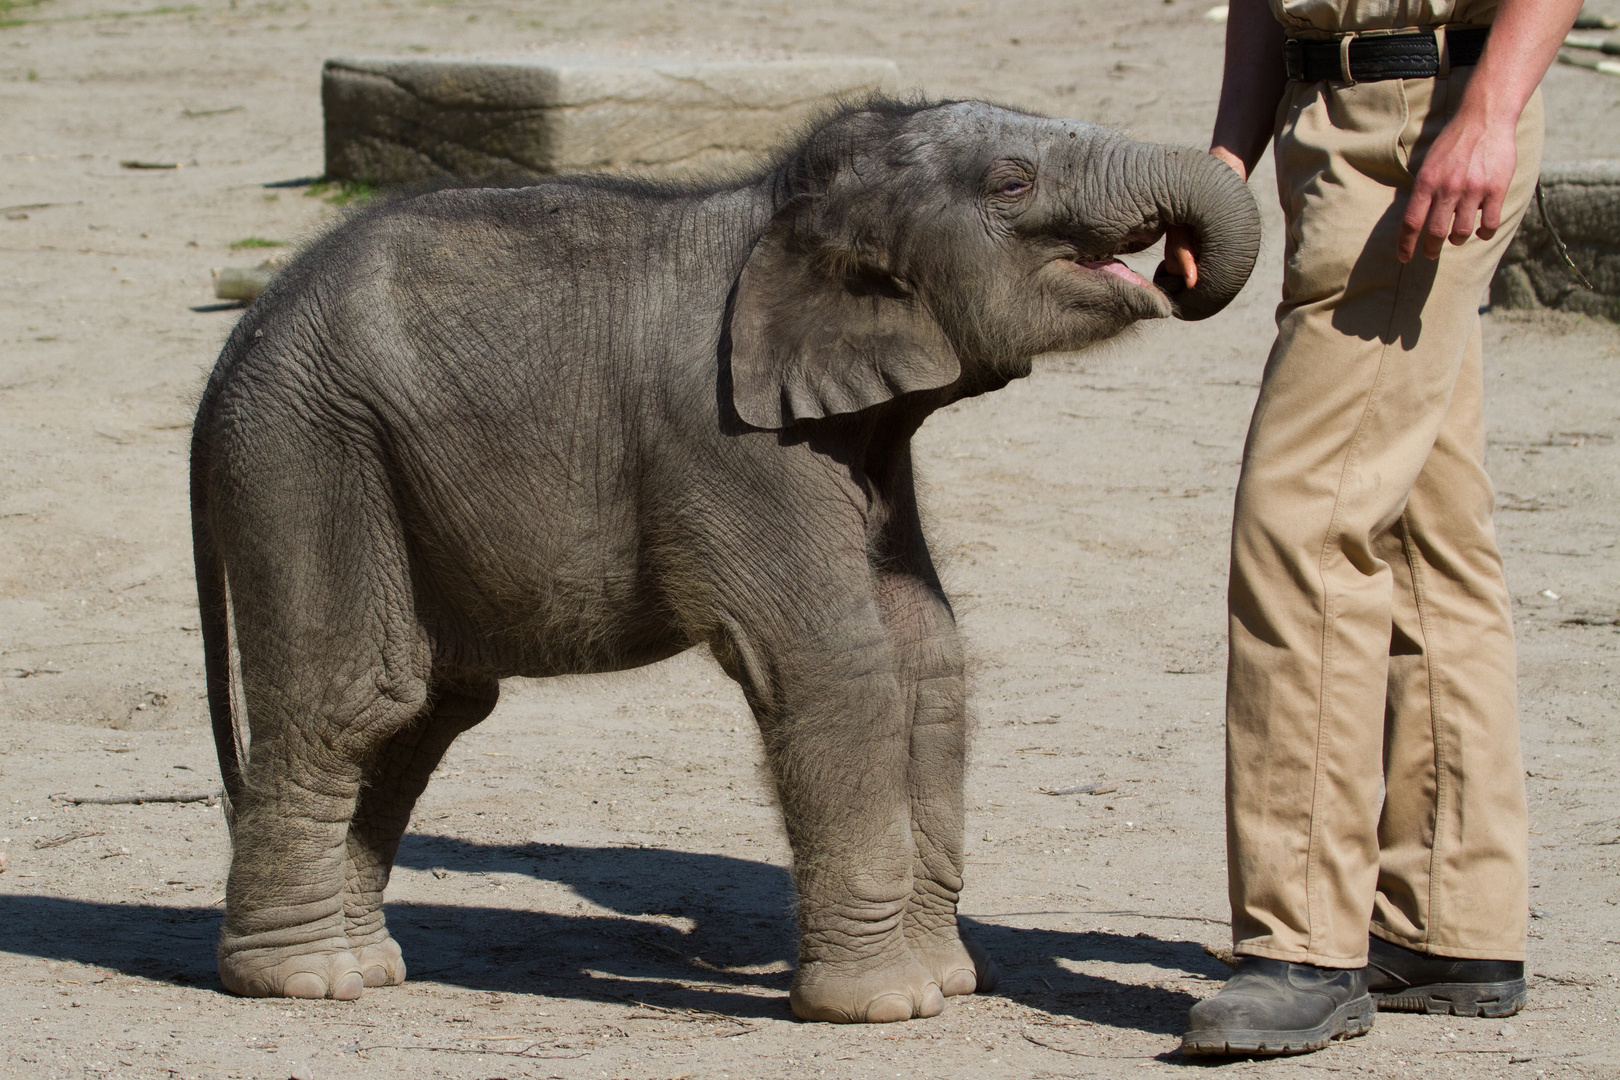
(959, 966)
(837, 994)
(382, 963)
(307, 972)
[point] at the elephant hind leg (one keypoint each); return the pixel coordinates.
(394, 780)
(285, 926)
(333, 664)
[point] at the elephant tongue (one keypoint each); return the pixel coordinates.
(1118, 269)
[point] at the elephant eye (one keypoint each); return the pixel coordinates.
(1009, 179)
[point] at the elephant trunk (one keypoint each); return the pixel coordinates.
(1190, 188)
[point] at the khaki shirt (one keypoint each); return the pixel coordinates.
(1314, 18)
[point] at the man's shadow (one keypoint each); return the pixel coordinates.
(1383, 300)
(680, 930)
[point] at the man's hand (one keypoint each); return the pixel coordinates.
(1464, 179)
(1180, 245)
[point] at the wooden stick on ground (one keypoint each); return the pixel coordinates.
(58, 841)
(209, 797)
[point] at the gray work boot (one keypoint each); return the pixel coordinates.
(1403, 980)
(1275, 1007)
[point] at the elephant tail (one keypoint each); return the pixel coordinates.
(213, 606)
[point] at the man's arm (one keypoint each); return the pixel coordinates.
(1251, 87)
(1464, 177)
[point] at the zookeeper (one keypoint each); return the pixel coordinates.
(1375, 795)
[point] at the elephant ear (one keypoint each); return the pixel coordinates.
(816, 331)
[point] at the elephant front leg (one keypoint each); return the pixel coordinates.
(929, 659)
(938, 748)
(833, 721)
(855, 964)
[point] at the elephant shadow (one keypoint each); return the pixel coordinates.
(651, 926)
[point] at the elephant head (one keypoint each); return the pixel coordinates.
(922, 248)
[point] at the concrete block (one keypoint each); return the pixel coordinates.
(1583, 201)
(396, 120)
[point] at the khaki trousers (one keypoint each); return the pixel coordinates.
(1373, 770)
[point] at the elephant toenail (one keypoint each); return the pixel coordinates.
(891, 1008)
(304, 984)
(933, 1002)
(376, 975)
(349, 986)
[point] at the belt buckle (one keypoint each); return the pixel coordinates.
(1294, 58)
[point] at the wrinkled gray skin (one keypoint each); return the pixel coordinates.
(585, 425)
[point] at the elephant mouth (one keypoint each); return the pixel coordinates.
(1094, 267)
(1111, 265)
(1107, 262)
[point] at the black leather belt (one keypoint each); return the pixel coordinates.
(1373, 57)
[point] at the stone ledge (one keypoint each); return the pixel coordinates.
(397, 120)
(1583, 201)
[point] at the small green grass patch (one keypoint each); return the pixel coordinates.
(256, 242)
(11, 9)
(166, 9)
(341, 192)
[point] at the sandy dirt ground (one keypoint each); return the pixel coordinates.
(595, 884)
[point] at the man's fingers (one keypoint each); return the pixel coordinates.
(1186, 265)
(1439, 222)
(1417, 211)
(1436, 233)
(1178, 254)
(1462, 226)
(1441, 214)
(1491, 214)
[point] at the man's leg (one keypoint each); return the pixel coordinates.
(1309, 607)
(1351, 405)
(1449, 915)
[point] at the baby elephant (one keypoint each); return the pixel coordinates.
(584, 425)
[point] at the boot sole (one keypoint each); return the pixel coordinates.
(1457, 999)
(1348, 1020)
